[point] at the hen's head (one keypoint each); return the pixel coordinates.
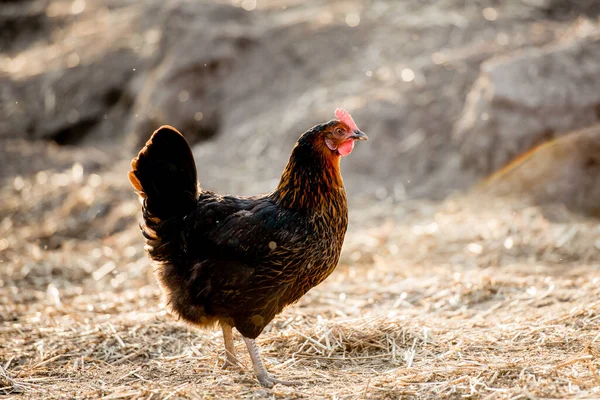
(336, 137)
(312, 178)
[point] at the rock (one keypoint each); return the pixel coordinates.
(159, 63)
(521, 101)
(565, 170)
(21, 21)
(62, 92)
(64, 112)
(199, 48)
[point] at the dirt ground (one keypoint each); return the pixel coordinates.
(436, 296)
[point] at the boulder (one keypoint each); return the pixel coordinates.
(183, 87)
(525, 99)
(565, 171)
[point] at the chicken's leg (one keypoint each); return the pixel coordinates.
(259, 369)
(229, 349)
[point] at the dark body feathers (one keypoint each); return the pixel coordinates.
(233, 259)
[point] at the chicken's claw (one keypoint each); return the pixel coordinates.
(268, 381)
(228, 364)
(262, 375)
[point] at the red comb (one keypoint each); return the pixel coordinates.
(346, 118)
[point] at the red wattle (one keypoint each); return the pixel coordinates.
(346, 148)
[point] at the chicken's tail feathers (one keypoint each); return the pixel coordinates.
(164, 175)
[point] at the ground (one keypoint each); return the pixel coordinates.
(428, 301)
(467, 297)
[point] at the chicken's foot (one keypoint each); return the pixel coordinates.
(230, 359)
(262, 375)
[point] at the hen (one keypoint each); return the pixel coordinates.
(239, 261)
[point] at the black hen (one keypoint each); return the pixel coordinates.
(239, 261)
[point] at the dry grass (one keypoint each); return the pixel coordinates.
(475, 298)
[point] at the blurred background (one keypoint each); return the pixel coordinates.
(483, 118)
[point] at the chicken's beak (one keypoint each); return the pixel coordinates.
(359, 135)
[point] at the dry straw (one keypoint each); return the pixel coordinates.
(430, 301)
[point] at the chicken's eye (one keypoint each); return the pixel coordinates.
(339, 132)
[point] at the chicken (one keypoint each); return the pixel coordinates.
(238, 261)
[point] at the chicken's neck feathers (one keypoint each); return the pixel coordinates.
(311, 180)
